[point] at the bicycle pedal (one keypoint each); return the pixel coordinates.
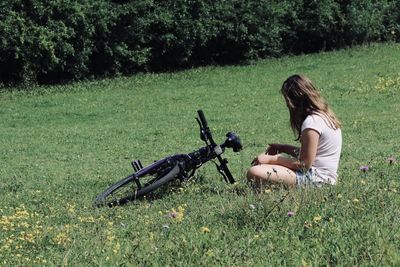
(137, 165)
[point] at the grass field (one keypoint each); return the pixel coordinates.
(61, 146)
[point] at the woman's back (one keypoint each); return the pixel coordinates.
(329, 146)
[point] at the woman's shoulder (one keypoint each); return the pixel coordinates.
(320, 119)
(314, 118)
(317, 121)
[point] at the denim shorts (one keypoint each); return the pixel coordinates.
(312, 177)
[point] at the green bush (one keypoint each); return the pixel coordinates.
(45, 41)
(314, 26)
(55, 41)
(365, 20)
(121, 37)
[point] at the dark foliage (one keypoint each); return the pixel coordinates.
(44, 41)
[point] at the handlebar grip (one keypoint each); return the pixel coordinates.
(202, 118)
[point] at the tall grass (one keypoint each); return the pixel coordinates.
(63, 145)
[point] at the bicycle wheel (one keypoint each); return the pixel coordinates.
(127, 189)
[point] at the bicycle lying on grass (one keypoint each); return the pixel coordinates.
(179, 166)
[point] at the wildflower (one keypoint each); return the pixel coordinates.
(61, 238)
(317, 218)
(205, 229)
(304, 263)
(177, 215)
(210, 253)
(290, 213)
(364, 168)
(391, 160)
(355, 200)
(110, 237)
(173, 214)
(307, 225)
(86, 219)
(116, 248)
(71, 208)
(252, 206)
(165, 226)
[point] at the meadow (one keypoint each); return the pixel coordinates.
(62, 145)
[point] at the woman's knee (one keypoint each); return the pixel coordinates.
(252, 173)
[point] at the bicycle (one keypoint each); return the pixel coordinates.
(179, 166)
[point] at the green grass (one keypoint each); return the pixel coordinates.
(61, 146)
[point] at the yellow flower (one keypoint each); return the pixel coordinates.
(205, 229)
(61, 238)
(304, 263)
(71, 208)
(110, 237)
(317, 218)
(307, 224)
(86, 219)
(210, 253)
(116, 248)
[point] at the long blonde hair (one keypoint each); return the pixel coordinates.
(303, 99)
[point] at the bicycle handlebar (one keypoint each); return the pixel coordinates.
(202, 118)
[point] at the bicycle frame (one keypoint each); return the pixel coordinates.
(178, 166)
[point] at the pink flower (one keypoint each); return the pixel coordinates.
(172, 214)
(291, 213)
(364, 168)
(391, 160)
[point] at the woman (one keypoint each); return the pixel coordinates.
(317, 128)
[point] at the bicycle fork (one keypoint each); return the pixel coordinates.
(137, 166)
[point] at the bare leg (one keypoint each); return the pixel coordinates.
(267, 173)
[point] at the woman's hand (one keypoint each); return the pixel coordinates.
(264, 159)
(272, 149)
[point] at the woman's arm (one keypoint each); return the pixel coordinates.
(274, 149)
(308, 150)
(309, 144)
